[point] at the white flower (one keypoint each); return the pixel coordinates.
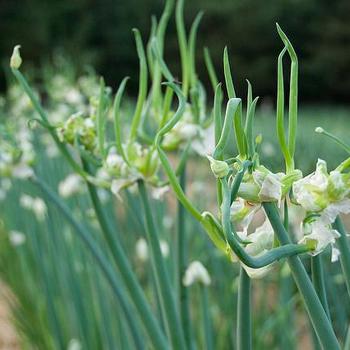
(335, 254)
(309, 192)
(36, 205)
(74, 344)
(141, 249)
(261, 241)
(70, 186)
(196, 272)
(205, 143)
(320, 232)
(242, 214)
(270, 185)
(17, 238)
(22, 171)
(159, 192)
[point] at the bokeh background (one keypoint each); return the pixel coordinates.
(98, 33)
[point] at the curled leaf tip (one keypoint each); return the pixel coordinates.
(16, 60)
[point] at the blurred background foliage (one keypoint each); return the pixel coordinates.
(98, 33)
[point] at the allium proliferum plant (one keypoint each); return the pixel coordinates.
(109, 152)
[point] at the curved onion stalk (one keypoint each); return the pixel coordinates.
(244, 323)
(218, 129)
(319, 319)
(343, 246)
(231, 112)
(116, 113)
(37, 106)
(210, 67)
(142, 86)
(181, 34)
(150, 323)
(101, 122)
(191, 49)
(293, 92)
(228, 77)
(165, 291)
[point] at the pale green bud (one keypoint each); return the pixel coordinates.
(319, 130)
(219, 168)
(16, 60)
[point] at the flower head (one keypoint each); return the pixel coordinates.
(196, 272)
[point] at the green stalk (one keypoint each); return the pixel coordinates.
(210, 67)
(136, 294)
(100, 119)
(313, 305)
(343, 246)
(293, 93)
(181, 34)
(164, 288)
(244, 324)
(117, 124)
(142, 86)
(208, 333)
(318, 281)
(181, 263)
(192, 50)
(228, 76)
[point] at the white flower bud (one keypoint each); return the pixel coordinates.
(319, 130)
(141, 249)
(71, 185)
(16, 60)
(219, 168)
(196, 272)
(17, 238)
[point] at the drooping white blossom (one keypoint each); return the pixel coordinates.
(196, 272)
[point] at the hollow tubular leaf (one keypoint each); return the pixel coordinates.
(181, 34)
(116, 113)
(231, 111)
(164, 68)
(249, 127)
(177, 115)
(210, 67)
(142, 86)
(293, 93)
(192, 49)
(228, 77)
(280, 113)
(101, 119)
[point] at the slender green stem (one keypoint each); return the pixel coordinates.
(181, 34)
(318, 281)
(142, 86)
(210, 67)
(313, 305)
(343, 246)
(165, 291)
(150, 323)
(208, 332)
(181, 263)
(244, 324)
